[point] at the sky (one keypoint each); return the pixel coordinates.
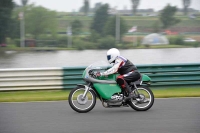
(74, 5)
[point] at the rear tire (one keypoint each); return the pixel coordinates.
(146, 99)
(77, 104)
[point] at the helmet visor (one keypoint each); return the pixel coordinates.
(108, 57)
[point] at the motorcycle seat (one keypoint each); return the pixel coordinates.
(138, 82)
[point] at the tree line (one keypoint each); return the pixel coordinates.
(39, 21)
(135, 4)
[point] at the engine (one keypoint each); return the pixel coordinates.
(117, 98)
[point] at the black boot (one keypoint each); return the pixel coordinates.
(130, 93)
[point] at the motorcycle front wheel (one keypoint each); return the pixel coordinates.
(143, 100)
(79, 103)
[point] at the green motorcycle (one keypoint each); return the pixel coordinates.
(83, 98)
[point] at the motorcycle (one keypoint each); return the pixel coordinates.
(83, 98)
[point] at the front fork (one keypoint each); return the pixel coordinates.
(136, 91)
(87, 88)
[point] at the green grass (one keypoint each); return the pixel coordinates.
(56, 95)
(24, 96)
(176, 92)
(141, 22)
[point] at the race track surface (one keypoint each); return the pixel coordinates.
(166, 116)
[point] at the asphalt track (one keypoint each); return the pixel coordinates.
(166, 116)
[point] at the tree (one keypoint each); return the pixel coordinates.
(86, 7)
(156, 26)
(100, 19)
(6, 7)
(97, 6)
(110, 27)
(186, 4)
(40, 20)
(24, 2)
(14, 30)
(76, 27)
(135, 5)
(167, 16)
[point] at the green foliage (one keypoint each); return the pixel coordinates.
(6, 7)
(94, 36)
(110, 27)
(17, 42)
(156, 27)
(85, 43)
(40, 20)
(194, 44)
(144, 23)
(81, 44)
(14, 30)
(167, 16)
(46, 42)
(178, 40)
(100, 19)
(62, 41)
(106, 42)
(76, 27)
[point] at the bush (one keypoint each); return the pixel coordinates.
(62, 41)
(125, 45)
(94, 36)
(46, 43)
(44, 40)
(81, 44)
(194, 44)
(17, 42)
(106, 43)
(178, 40)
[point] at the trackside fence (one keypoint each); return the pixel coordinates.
(31, 79)
(68, 77)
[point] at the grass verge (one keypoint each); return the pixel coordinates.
(56, 95)
(177, 92)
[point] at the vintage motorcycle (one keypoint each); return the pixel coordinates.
(83, 98)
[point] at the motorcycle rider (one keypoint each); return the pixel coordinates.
(127, 70)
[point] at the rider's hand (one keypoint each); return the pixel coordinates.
(98, 74)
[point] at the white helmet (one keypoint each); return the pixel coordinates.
(112, 54)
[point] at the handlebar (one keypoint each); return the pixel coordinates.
(93, 78)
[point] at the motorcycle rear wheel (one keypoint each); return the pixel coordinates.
(82, 105)
(144, 101)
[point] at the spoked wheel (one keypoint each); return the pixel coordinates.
(79, 103)
(143, 100)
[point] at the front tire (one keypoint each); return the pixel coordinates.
(144, 100)
(82, 105)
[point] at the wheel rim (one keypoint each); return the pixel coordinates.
(80, 103)
(143, 100)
